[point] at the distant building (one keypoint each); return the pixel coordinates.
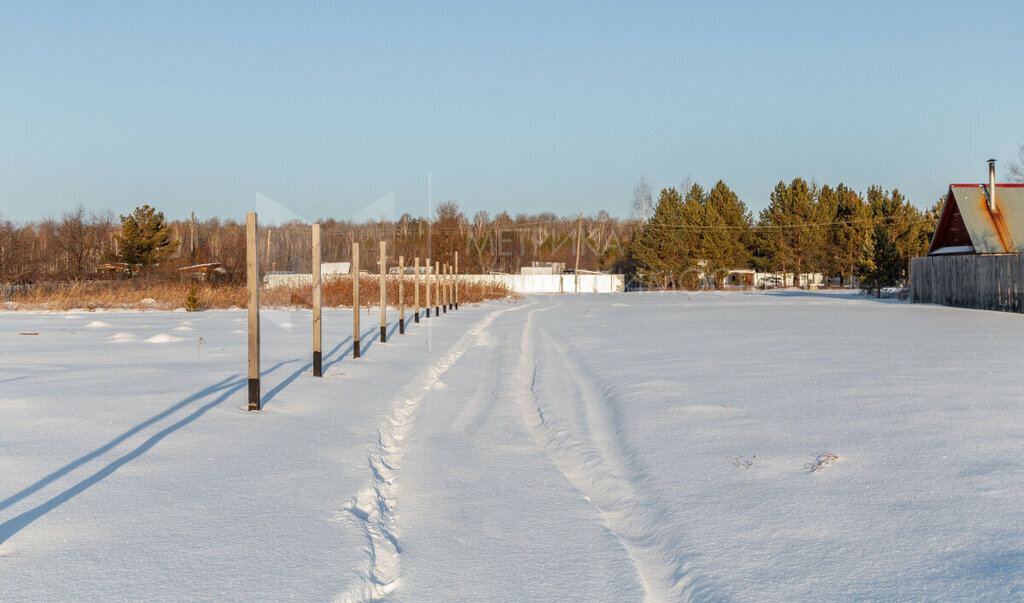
(543, 268)
(210, 272)
(969, 223)
(975, 259)
(335, 267)
(118, 270)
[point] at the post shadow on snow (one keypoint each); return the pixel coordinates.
(343, 354)
(336, 352)
(962, 567)
(326, 365)
(226, 387)
(340, 354)
(367, 340)
(14, 379)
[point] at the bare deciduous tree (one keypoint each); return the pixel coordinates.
(643, 202)
(1016, 169)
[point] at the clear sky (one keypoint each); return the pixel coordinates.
(320, 109)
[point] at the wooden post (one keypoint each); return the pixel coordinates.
(416, 288)
(355, 300)
(437, 288)
(456, 280)
(317, 330)
(579, 237)
(448, 285)
(383, 293)
(401, 295)
(426, 280)
(252, 280)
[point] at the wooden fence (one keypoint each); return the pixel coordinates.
(985, 282)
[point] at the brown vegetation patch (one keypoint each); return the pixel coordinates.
(170, 295)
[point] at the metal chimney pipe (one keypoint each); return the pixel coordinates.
(992, 185)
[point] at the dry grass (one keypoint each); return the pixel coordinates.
(170, 295)
(823, 460)
(744, 463)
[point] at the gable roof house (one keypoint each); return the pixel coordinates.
(968, 223)
(976, 258)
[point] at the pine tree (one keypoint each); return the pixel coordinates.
(192, 303)
(886, 263)
(850, 232)
(661, 250)
(145, 238)
(905, 225)
(732, 234)
(788, 241)
(702, 233)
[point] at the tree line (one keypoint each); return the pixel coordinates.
(73, 246)
(695, 237)
(686, 238)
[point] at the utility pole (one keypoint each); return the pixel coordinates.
(192, 243)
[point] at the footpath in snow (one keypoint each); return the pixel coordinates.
(599, 447)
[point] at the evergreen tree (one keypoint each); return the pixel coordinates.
(930, 221)
(886, 265)
(789, 241)
(905, 226)
(735, 236)
(847, 239)
(662, 253)
(192, 303)
(145, 238)
(697, 235)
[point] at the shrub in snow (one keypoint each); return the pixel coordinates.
(192, 302)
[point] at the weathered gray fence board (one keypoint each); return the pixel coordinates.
(985, 282)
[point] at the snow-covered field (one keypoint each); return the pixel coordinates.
(598, 447)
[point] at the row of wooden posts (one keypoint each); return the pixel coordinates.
(444, 285)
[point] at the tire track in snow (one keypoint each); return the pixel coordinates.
(602, 466)
(375, 505)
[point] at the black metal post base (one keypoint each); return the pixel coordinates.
(318, 364)
(401, 326)
(428, 312)
(254, 394)
(417, 318)
(383, 334)
(456, 306)
(355, 349)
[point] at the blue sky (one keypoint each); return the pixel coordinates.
(320, 109)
